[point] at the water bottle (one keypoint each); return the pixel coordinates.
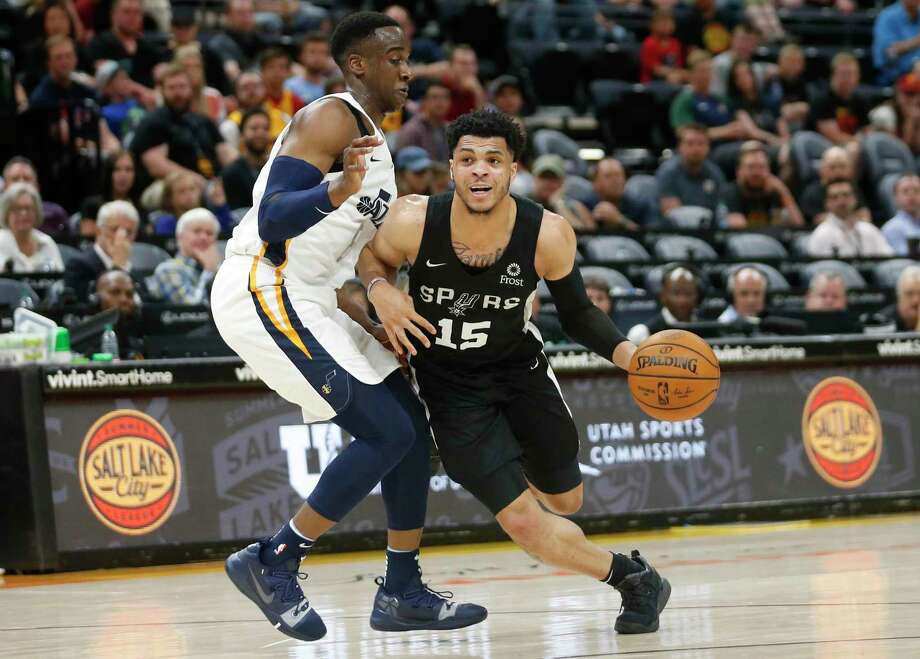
(109, 342)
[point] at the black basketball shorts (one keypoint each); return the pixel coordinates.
(498, 429)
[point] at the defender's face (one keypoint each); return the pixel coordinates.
(482, 168)
(388, 73)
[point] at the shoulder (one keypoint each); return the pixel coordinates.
(408, 213)
(556, 236)
(327, 123)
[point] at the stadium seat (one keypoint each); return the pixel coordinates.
(850, 275)
(799, 245)
(15, 294)
(68, 253)
(885, 195)
(690, 217)
(642, 186)
(754, 246)
(884, 154)
(547, 140)
(614, 248)
(615, 62)
(684, 248)
(556, 76)
(145, 256)
(806, 148)
(615, 279)
(653, 281)
(581, 189)
(777, 282)
(886, 273)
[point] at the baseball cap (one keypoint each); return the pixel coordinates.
(909, 84)
(105, 73)
(413, 158)
(503, 81)
(549, 163)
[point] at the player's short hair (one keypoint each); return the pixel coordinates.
(353, 29)
(487, 123)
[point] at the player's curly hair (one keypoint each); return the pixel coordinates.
(487, 123)
(354, 29)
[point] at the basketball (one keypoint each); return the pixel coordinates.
(674, 375)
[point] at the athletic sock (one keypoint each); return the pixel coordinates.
(286, 544)
(402, 569)
(620, 567)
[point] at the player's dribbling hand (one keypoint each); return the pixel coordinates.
(398, 316)
(355, 161)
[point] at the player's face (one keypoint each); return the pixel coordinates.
(482, 169)
(388, 73)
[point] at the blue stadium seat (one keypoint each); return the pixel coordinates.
(886, 273)
(754, 246)
(614, 248)
(684, 248)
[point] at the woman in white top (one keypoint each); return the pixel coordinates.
(23, 248)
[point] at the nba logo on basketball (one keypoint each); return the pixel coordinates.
(129, 472)
(663, 393)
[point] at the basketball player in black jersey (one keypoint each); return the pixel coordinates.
(497, 414)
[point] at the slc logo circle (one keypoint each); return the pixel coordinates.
(842, 432)
(129, 472)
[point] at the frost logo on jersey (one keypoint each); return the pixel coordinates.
(512, 277)
(376, 209)
(513, 270)
(463, 304)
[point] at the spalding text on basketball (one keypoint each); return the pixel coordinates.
(686, 363)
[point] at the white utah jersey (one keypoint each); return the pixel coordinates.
(325, 255)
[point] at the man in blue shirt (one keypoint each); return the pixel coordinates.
(905, 225)
(896, 40)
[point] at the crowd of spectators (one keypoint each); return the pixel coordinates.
(181, 104)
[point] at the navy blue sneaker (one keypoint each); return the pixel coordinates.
(420, 607)
(274, 589)
(645, 595)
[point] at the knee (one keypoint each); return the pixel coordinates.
(401, 431)
(567, 503)
(522, 523)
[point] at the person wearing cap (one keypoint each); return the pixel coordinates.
(413, 171)
(23, 248)
(896, 40)
(426, 129)
(186, 278)
(906, 105)
(549, 190)
(507, 95)
(120, 96)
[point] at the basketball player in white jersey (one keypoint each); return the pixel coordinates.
(326, 186)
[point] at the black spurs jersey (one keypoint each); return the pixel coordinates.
(482, 315)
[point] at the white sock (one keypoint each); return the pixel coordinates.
(297, 531)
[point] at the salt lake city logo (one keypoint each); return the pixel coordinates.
(842, 432)
(129, 472)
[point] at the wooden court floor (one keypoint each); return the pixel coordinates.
(826, 589)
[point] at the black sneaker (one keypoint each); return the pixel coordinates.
(645, 595)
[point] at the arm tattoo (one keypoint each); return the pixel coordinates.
(468, 257)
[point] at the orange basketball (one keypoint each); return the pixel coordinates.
(674, 375)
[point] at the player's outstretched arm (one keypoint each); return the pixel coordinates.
(580, 319)
(396, 242)
(295, 196)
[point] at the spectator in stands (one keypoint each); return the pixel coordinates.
(114, 289)
(116, 229)
(549, 190)
(896, 40)
(690, 178)
(413, 171)
(424, 50)
(173, 138)
(661, 56)
(461, 75)
(507, 95)
(762, 15)
(315, 67)
(250, 94)
(121, 99)
(680, 296)
(758, 198)
(126, 42)
(58, 87)
(787, 89)
(827, 291)
(745, 96)
(747, 287)
(426, 129)
(183, 191)
(186, 278)
(205, 100)
(58, 19)
(745, 40)
(841, 112)
(835, 164)
(335, 85)
(906, 312)
(83, 224)
(599, 293)
(440, 177)
(907, 110)
(21, 170)
(707, 26)
(905, 225)
(696, 105)
(275, 66)
(842, 234)
(23, 248)
(240, 176)
(240, 41)
(120, 178)
(184, 32)
(291, 16)
(614, 207)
